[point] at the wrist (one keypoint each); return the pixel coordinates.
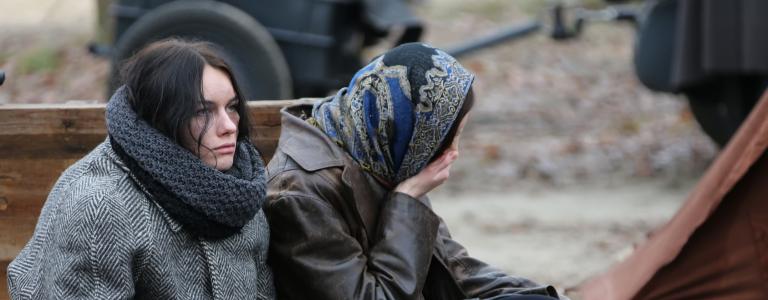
(405, 188)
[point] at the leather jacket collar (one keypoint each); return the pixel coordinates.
(312, 150)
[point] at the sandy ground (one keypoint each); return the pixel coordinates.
(567, 160)
(43, 50)
(560, 236)
(76, 15)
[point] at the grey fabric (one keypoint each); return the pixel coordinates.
(719, 38)
(684, 44)
(230, 199)
(385, 14)
(99, 236)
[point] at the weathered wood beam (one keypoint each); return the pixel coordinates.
(69, 131)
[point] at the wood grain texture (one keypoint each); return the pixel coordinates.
(69, 131)
(3, 275)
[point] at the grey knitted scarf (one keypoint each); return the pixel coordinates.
(207, 202)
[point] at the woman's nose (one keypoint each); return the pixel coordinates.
(227, 123)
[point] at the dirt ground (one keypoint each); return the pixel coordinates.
(558, 235)
(567, 160)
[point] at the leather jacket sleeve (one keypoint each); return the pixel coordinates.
(315, 256)
(479, 280)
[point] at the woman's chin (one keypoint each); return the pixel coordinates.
(224, 165)
(221, 163)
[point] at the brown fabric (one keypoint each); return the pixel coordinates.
(727, 255)
(715, 246)
(336, 233)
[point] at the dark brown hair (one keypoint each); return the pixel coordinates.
(469, 102)
(164, 81)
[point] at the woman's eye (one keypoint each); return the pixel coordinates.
(232, 108)
(201, 112)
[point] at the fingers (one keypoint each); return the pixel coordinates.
(440, 169)
(435, 174)
(443, 175)
(435, 165)
(447, 159)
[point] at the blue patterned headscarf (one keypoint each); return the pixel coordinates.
(397, 110)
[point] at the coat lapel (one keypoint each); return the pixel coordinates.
(365, 198)
(313, 150)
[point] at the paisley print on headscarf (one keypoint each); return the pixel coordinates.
(397, 110)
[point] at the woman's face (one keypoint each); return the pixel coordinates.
(455, 143)
(219, 142)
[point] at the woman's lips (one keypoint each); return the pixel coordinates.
(225, 149)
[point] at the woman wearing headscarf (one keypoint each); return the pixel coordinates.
(346, 198)
(169, 205)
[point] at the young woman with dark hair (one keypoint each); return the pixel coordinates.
(169, 206)
(346, 198)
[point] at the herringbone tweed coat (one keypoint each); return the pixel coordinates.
(100, 237)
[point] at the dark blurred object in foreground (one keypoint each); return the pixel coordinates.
(713, 51)
(716, 246)
(2, 77)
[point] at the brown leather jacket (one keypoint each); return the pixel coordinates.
(338, 234)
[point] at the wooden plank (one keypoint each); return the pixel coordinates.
(24, 186)
(89, 118)
(75, 145)
(13, 239)
(4, 284)
(25, 180)
(70, 131)
(35, 119)
(62, 145)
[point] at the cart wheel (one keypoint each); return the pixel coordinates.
(722, 104)
(253, 54)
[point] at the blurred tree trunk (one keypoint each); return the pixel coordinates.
(105, 23)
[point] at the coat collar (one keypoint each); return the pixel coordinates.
(313, 150)
(306, 144)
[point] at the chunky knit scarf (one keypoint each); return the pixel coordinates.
(207, 202)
